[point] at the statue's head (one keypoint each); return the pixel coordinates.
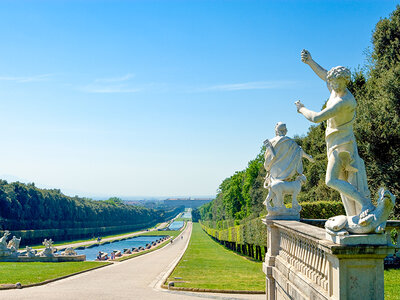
(338, 77)
(280, 129)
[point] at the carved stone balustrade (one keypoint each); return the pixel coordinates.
(302, 264)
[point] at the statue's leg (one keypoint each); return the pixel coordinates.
(333, 173)
(268, 199)
(279, 199)
(296, 191)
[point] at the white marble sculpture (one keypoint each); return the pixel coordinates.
(49, 249)
(3, 240)
(375, 222)
(14, 243)
(283, 160)
(29, 252)
(4, 251)
(69, 251)
(345, 171)
(10, 249)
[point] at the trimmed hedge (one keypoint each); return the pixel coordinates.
(321, 209)
(243, 237)
(249, 238)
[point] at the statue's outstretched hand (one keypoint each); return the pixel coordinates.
(298, 105)
(305, 56)
(267, 143)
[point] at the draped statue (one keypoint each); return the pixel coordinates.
(283, 160)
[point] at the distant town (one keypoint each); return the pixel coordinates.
(170, 202)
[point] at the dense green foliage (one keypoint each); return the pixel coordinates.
(196, 215)
(249, 238)
(24, 206)
(239, 196)
(321, 209)
(376, 88)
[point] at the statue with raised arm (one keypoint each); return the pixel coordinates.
(346, 170)
(283, 160)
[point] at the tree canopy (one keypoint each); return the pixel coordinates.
(24, 206)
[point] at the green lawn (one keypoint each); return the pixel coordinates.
(34, 272)
(208, 265)
(392, 284)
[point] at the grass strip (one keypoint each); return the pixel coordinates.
(392, 284)
(36, 272)
(210, 266)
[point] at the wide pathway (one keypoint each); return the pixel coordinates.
(137, 278)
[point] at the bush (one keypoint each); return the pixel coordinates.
(321, 209)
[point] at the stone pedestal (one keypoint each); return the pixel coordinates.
(302, 264)
(358, 239)
(358, 273)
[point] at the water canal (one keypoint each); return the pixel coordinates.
(135, 242)
(176, 225)
(187, 215)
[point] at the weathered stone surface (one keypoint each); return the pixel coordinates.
(358, 239)
(302, 264)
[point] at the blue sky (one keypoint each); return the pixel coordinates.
(162, 98)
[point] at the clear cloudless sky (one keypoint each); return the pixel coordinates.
(162, 98)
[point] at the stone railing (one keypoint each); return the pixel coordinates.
(302, 264)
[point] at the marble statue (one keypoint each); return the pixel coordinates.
(283, 160)
(69, 251)
(29, 252)
(376, 222)
(4, 251)
(49, 249)
(14, 243)
(346, 170)
(10, 249)
(10, 252)
(3, 240)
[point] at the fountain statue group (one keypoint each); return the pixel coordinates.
(10, 251)
(345, 170)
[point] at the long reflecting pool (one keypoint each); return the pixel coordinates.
(176, 225)
(135, 242)
(187, 214)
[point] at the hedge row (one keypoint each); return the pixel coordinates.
(243, 237)
(253, 232)
(321, 209)
(249, 238)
